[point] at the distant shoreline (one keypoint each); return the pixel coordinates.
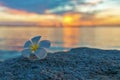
(29, 24)
(54, 26)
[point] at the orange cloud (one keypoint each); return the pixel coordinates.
(108, 21)
(19, 12)
(12, 15)
(67, 19)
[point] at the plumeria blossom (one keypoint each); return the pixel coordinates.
(36, 47)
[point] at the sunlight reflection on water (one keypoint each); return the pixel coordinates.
(13, 38)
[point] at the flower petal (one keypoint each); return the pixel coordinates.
(26, 52)
(27, 44)
(45, 43)
(35, 39)
(41, 53)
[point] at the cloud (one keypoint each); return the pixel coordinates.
(77, 12)
(76, 6)
(13, 15)
(94, 2)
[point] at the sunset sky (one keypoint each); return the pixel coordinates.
(66, 12)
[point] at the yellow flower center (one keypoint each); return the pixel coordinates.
(34, 47)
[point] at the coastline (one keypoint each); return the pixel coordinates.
(77, 64)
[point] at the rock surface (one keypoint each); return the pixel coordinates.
(76, 64)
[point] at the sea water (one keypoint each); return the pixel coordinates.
(62, 38)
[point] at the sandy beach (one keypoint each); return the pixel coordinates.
(77, 64)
